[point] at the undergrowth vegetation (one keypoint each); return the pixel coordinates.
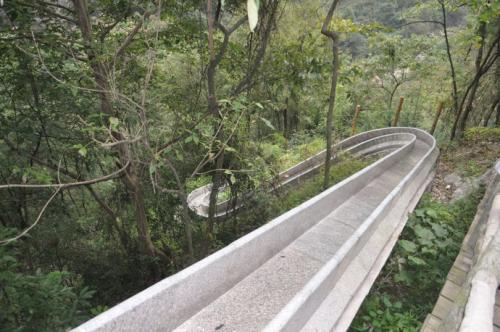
(42, 301)
(482, 133)
(474, 155)
(410, 282)
(264, 206)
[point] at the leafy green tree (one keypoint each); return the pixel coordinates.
(37, 300)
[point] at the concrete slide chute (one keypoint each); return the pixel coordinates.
(308, 269)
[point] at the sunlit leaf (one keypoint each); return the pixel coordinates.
(267, 123)
(253, 13)
(82, 151)
(431, 213)
(416, 261)
(439, 230)
(408, 245)
(113, 122)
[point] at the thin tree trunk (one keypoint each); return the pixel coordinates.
(469, 106)
(490, 112)
(398, 112)
(218, 127)
(132, 174)
(436, 118)
(333, 90)
(213, 109)
(393, 92)
(187, 227)
(268, 19)
(496, 102)
(285, 122)
(450, 59)
(181, 192)
(329, 116)
(355, 119)
(497, 119)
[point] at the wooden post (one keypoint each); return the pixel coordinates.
(436, 118)
(355, 119)
(396, 116)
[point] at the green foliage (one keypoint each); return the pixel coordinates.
(265, 205)
(385, 313)
(472, 168)
(482, 134)
(197, 182)
(349, 26)
(301, 152)
(311, 187)
(409, 284)
(53, 126)
(39, 301)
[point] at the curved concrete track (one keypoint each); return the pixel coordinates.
(360, 145)
(309, 269)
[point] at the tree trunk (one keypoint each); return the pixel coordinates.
(268, 18)
(132, 177)
(333, 90)
(450, 59)
(218, 127)
(329, 116)
(285, 122)
(497, 119)
(398, 112)
(355, 119)
(488, 115)
(464, 116)
(187, 227)
(436, 118)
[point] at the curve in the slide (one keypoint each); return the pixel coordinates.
(309, 269)
(363, 144)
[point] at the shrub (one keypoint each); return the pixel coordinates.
(39, 301)
(482, 133)
(410, 282)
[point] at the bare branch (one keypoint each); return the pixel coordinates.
(326, 24)
(60, 186)
(227, 33)
(57, 5)
(40, 214)
(47, 11)
(130, 37)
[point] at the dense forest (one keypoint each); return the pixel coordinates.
(113, 111)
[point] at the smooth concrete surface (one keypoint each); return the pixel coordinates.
(298, 266)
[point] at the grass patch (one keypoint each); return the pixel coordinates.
(482, 134)
(473, 155)
(472, 168)
(409, 284)
(195, 183)
(301, 152)
(311, 187)
(274, 154)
